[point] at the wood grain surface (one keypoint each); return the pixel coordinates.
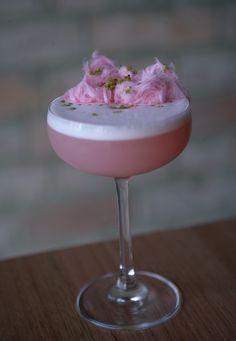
(38, 293)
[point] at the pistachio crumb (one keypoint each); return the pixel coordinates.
(130, 68)
(94, 114)
(128, 90)
(96, 72)
(166, 67)
(111, 83)
(122, 106)
(120, 80)
(127, 78)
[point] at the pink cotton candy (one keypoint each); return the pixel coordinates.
(154, 70)
(124, 93)
(98, 69)
(85, 93)
(104, 82)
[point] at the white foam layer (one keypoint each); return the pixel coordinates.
(103, 122)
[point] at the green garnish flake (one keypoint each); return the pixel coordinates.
(96, 72)
(94, 114)
(130, 68)
(120, 80)
(122, 106)
(111, 83)
(62, 101)
(125, 106)
(72, 108)
(127, 78)
(128, 90)
(67, 104)
(166, 67)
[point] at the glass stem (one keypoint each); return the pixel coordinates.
(127, 277)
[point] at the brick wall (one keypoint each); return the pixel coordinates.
(42, 46)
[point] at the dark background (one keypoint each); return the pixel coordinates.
(46, 204)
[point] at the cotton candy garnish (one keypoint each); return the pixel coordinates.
(105, 83)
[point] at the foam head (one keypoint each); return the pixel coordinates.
(105, 122)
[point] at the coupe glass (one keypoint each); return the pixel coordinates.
(128, 299)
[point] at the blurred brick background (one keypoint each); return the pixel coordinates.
(46, 204)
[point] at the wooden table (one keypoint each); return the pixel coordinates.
(37, 293)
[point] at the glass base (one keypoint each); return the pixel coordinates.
(161, 302)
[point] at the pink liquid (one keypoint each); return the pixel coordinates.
(120, 158)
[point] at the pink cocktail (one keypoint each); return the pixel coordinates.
(119, 122)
